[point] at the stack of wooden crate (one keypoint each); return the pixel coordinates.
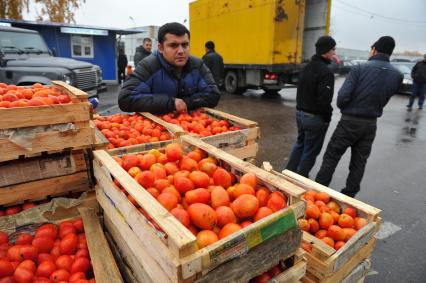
(168, 252)
(54, 160)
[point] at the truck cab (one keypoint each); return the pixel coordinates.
(25, 59)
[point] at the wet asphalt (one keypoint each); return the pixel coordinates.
(394, 180)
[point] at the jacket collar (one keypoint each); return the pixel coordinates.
(319, 58)
(380, 57)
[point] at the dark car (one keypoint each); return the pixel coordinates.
(405, 68)
(25, 59)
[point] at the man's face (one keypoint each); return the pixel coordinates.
(330, 54)
(373, 51)
(175, 49)
(147, 45)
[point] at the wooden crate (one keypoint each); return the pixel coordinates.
(78, 135)
(172, 255)
(72, 176)
(240, 143)
(297, 270)
(325, 262)
(104, 266)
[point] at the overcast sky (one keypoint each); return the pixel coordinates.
(354, 23)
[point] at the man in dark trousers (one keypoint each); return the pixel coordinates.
(214, 61)
(170, 80)
(418, 73)
(142, 51)
(121, 64)
(314, 95)
(364, 94)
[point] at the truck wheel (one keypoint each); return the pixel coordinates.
(231, 82)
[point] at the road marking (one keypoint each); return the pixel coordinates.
(387, 229)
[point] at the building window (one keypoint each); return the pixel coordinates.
(82, 46)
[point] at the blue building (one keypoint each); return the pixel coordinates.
(96, 45)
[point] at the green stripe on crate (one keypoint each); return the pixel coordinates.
(276, 226)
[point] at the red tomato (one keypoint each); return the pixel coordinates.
(76, 276)
(13, 210)
(68, 245)
(55, 251)
(43, 244)
(23, 275)
(60, 275)
(47, 230)
(6, 268)
(26, 206)
(45, 269)
(41, 280)
(82, 253)
(78, 224)
(81, 264)
(8, 279)
(13, 253)
(24, 239)
(64, 262)
(28, 264)
(4, 238)
(63, 231)
(46, 257)
(28, 252)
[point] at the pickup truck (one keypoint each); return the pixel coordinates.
(25, 59)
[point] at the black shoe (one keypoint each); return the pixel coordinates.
(349, 194)
(409, 108)
(420, 107)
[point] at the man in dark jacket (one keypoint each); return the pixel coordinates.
(170, 80)
(121, 64)
(142, 51)
(314, 95)
(418, 73)
(364, 94)
(214, 61)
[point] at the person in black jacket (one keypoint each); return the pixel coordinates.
(418, 73)
(361, 99)
(121, 64)
(314, 95)
(142, 51)
(170, 80)
(214, 61)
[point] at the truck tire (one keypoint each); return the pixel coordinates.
(231, 82)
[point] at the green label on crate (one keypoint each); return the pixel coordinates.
(244, 242)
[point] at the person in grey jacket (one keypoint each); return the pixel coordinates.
(142, 51)
(361, 99)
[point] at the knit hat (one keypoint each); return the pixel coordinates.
(385, 45)
(324, 44)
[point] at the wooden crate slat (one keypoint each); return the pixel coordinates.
(249, 151)
(118, 226)
(139, 147)
(21, 171)
(74, 92)
(257, 260)
(181, 241)
(48, 141)
(103, 263)
(359, 272)
(293, 274)
(245, 122)
(42, 188)
(174, 129)
(320, 249)
(156, 247)
(100, 142)
(43, 115)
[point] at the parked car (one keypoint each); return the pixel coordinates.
(25, 59)
(405, 68)
(341, 67)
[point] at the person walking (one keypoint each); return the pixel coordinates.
(418, 73)
(121, 64)
(315, 89)
(365, 92)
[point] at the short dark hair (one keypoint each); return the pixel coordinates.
(146, 39)
(209, 45)
(173, 28)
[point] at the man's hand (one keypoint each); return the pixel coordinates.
(180, 105)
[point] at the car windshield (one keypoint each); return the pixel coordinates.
(403, 68)
(22, 42)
